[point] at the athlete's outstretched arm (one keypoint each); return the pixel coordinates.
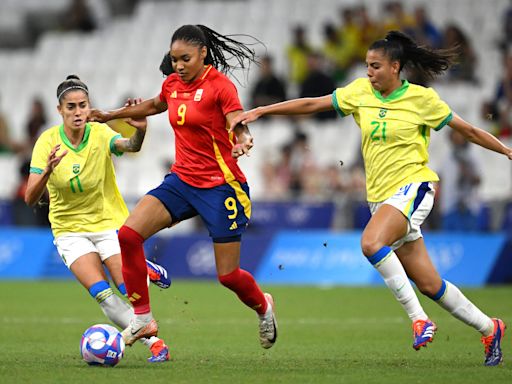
(134, 143)
(303, 106)
(244, 140)
(146, 108)
(479, 136)
(37, 182)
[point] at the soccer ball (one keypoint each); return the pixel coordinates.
(102, 344)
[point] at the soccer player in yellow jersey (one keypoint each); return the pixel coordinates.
(396, 119)
(73, 161)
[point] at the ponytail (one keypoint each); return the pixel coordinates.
(220, 48)
(428, 62)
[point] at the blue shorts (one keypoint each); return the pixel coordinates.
(225, 209)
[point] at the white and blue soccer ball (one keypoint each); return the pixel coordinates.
(102, 344)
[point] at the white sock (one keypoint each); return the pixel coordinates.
(117, 310)
(268, 312)
(144, 318)
(388, 265)
(120, 313)
(454, 301)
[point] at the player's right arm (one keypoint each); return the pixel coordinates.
(146, 108)
(36, 184)
(303, 106)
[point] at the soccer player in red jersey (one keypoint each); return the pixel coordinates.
(205, 179)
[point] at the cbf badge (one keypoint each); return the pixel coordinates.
(382, 113)
(76, 168)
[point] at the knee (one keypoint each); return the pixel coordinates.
(128, 237)
(230, 279)
(370, 246)
(428, 288)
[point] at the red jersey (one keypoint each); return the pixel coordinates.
(197, 113)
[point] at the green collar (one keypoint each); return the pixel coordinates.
(396, 94)
(68, 143)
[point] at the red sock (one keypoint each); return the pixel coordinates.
(135, 272)
(243, 284)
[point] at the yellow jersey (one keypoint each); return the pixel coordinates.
(83, 191)
(395, 132)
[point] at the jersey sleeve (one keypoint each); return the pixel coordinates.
(227, 96)
(436, 113)
(40, 153)
(344, 100)
(109, 136)
(112, 136)
(162, 96)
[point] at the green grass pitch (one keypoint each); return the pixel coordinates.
(326, 335)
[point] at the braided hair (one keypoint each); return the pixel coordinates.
(428, 62)
(220, 49)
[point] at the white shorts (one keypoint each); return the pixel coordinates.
(73, 245)
(415, 201)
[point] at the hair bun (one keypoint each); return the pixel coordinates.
(71, 77)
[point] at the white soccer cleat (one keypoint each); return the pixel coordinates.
(138, 329)
(268, 324)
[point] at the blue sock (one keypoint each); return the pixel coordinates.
(379, 255)
(441, 291)
(101, 291)
(122, 289)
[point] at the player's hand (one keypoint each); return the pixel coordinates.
(53, 159)
(243, 147)
(98, 115)
(139, 124)
(244, 118)
(509, 153)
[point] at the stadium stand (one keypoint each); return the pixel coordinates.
(122, 56)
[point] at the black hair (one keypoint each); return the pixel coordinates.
(166, 65)
(426, 61)
(221, 48)
(72, 83)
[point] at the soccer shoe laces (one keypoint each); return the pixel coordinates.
(423, 332)
(487, 342)
(418, 327)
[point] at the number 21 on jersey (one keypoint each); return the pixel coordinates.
(378, 131)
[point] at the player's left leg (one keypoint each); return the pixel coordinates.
(147, 218)
(121, 313)
(419, 267)
(242, 283)
(387, 226)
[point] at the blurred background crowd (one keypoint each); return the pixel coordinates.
(308, 48)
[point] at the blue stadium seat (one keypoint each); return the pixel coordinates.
(6, 213)
(506, 224)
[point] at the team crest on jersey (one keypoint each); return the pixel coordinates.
(199, 93)
(382, 113)
(76, 168)
(174, 94)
